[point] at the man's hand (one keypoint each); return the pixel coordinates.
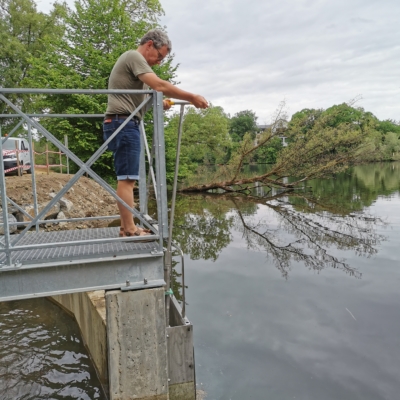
(199, 101)
(167, 103)
(152, 80)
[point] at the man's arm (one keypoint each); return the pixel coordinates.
(170, 90)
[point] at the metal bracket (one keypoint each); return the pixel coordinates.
(142, 285)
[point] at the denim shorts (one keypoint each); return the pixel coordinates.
(125, 147)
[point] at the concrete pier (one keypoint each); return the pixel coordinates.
(136, 356)
(137, 344)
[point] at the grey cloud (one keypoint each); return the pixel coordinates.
(314, 52)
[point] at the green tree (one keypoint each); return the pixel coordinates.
(388, 126)
(241, 123)
(24, 34)
(205, 139)
(305, 119)
(269, 153)
(97, 32)
(383, 136)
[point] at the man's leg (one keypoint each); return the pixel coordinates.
(125, 192)
(126, 163)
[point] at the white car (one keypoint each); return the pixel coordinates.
(10, 145)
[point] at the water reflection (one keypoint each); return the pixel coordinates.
(315, 225)
(312, 239)
(353, 190)
(42, 355)
(276, 227)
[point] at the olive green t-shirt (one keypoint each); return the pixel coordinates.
(124, 75)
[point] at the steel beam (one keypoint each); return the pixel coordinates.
(106, 273)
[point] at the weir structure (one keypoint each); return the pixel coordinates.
(149, 340)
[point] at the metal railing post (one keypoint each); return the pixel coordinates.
(32, 156)
(17, 157)
(6, 226)
(66, 146)
(161, 182)
(142, 172)
(150, 157)
(161, 189)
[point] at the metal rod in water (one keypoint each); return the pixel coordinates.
(168, 256)
(175, 185)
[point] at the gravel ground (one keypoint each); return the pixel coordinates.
(88, 197)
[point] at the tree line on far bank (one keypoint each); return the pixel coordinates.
(318, 143)
(77, 48)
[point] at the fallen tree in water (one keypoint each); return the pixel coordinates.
(321, 143)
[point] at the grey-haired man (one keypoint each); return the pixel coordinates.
(133, 71)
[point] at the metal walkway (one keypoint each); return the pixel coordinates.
(36, 263)
(71, 246)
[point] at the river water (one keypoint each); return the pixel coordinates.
(291, 297)
(297, 297)
(42, 355)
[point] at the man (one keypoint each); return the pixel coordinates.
(133, 71)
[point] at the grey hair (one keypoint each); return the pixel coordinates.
(159, 39)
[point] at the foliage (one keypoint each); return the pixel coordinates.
(268, 153)
(205, 139)
(382, 136)
(241, 123)
(333, 140)
(24, 34)
(96, 34)
(388, 126)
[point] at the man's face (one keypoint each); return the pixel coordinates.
(155, 56)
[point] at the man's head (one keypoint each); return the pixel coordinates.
(155, 46)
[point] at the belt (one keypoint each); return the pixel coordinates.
(121, 116)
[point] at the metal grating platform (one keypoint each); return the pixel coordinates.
(68, 263)
(65, 252)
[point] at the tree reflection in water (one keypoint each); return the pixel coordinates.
(204, 225)
(311, 238)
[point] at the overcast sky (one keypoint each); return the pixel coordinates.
(312, 53)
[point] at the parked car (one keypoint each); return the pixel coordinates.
(10, 145)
